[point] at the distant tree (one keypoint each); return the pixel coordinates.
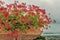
(40, 38)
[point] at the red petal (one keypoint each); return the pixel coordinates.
(15, 31)
(9, 34)
(15, 35)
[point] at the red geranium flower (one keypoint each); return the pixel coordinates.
(0, 26)
(15, 31)
(23, 19)
(7, 25)
(16, 12)
(41, 21)
(9, 33)
(15, 35)
(14, 22)
(5, 13)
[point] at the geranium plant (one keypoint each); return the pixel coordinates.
(17, 17)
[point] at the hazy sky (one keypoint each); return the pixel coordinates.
(51, 6)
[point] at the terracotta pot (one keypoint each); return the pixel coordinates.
(30, 34)
(23, 35)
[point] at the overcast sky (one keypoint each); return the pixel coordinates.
(51, 6)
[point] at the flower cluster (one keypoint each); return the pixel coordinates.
(17, 17)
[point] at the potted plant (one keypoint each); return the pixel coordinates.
(20, 21)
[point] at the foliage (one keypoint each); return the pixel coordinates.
(40, 38)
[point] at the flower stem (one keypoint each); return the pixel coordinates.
(15, 38)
